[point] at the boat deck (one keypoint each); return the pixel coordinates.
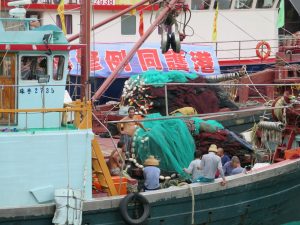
(106, 145)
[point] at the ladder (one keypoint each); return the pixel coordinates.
(101, 171)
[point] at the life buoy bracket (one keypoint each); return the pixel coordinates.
(137, 198)
(263, 50)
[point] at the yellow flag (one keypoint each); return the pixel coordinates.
(128, 2)
(214, 34)
(61, 13)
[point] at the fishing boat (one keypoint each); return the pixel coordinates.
(247, 34)
(47, 152)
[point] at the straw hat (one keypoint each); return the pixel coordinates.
(151, 161)
(213, 148)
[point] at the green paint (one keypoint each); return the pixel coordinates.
(266, 202)
(281, 15)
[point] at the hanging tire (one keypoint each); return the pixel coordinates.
(134, 197)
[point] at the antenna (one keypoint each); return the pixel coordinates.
(19, 11)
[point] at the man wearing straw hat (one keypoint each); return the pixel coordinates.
(209, 165)
(151, 174)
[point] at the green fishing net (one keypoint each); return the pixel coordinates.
(206, 125)
(170, 141)
(156, 77)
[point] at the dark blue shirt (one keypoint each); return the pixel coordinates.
(227, 168)
(151, 175)
(224, 159)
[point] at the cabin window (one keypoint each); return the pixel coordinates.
(291, 73)
(265, 3)
(5, 66)
(128, 25)
(243, 4)
(68, 23)
(223, 4)
(200, 4)
(33, 66)
(58, 67)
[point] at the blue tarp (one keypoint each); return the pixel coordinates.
(199, 59)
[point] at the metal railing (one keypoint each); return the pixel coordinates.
(51, 2)
(79, 112)
(56, 1)
(246, 49)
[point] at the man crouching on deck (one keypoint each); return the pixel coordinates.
(127, 129)
(210, 163)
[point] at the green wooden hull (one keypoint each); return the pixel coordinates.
(269, 196)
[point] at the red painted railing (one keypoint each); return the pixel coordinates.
(74, 4)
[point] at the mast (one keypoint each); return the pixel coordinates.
(115, 16)
(169, 7)
(85, 39)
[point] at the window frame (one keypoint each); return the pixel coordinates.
(209, 7)
(125, 19)
(63, 69)
(236, 2)
(3, 66)
(257, 2)
(230, 7)
(69, 25)
(21, 64)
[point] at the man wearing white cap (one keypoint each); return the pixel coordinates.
(209, 165)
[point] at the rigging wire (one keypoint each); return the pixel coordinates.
(248, 34)
(120, 21)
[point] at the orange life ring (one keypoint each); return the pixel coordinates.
(260, 50)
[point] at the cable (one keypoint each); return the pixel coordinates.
(117, 22)
(242, 28)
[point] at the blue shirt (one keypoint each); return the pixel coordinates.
(209, 165)
(225, 158)
(151, 176)
(237, 170)
(227, 168)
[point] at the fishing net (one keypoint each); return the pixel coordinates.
(168, 140)
(146, 93)
(171, 141)
(154, 78)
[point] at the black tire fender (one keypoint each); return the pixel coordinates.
(124, 208)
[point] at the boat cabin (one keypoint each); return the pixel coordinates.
(38, 153)
(33, 68)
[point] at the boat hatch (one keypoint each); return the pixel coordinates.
(7, 88)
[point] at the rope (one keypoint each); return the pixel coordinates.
(255, 87)
(114, 144)
(193, 204)
(182, 184)
(68, 174)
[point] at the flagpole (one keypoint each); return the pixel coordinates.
(85, 39)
